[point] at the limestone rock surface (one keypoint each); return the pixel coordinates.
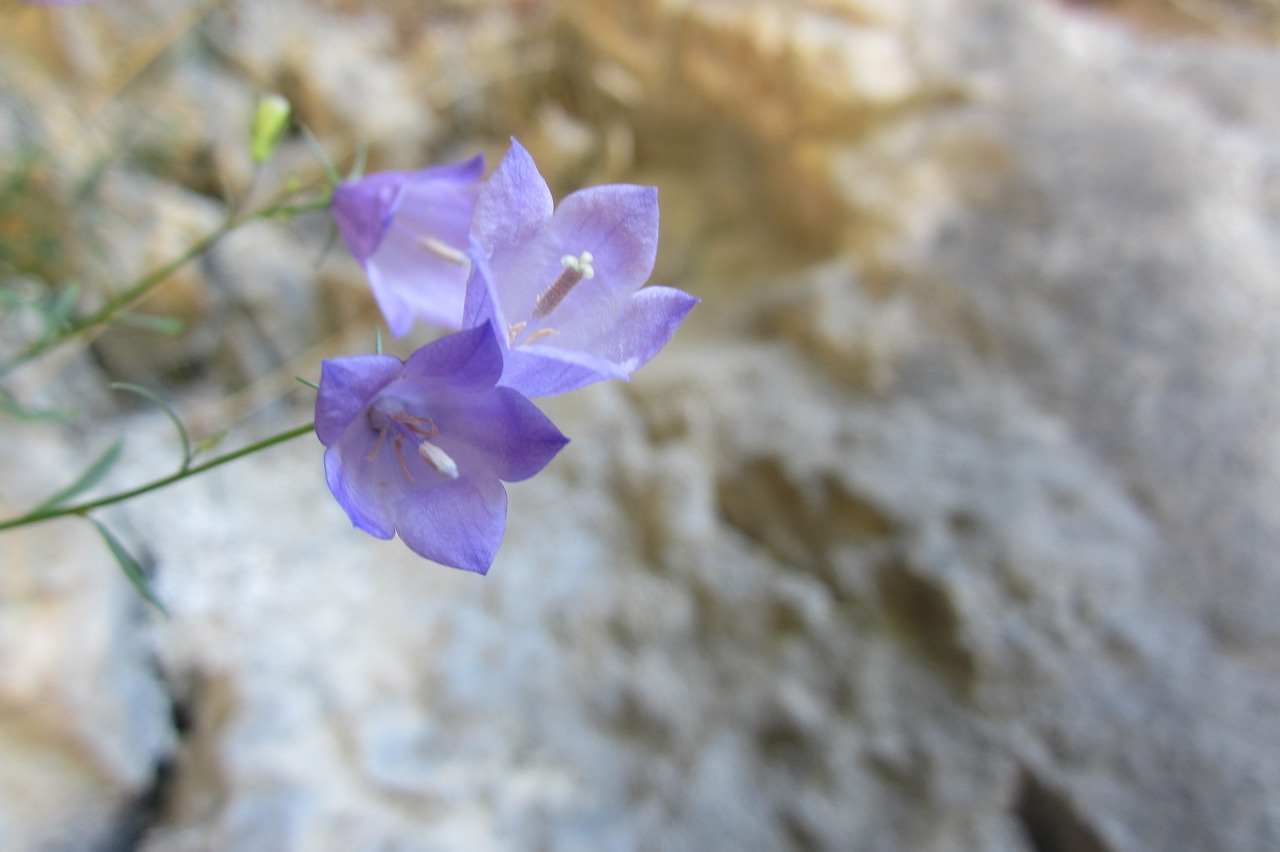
(944, 523)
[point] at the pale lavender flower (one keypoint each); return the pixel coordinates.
(409, 232)
(565, 286)
(421, 447)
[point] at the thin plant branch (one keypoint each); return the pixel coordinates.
(82, 508)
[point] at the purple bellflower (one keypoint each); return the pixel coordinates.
(409, 232)
(421, 447)
(564, 285)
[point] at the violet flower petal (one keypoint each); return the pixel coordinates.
(532, 368)
(459, 524)
(409, 232)
(346, 387)
(514, 204)
(646, 323)
(513, 437)
(561, 286)
(420, 448)
(482, 303)
(360, 496)
(649, 319)
(470, 359)
(545, 371)
(363, 210)
(618, 224)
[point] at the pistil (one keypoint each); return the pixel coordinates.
(575, 269)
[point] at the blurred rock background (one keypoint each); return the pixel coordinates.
(947, 522)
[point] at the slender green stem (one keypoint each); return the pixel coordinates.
(149, 281)
(83, 508)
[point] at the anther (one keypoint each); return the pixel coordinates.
(575, 269)
(438, 459)
(444, 250)
(423, 427)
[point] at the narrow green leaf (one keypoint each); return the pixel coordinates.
(308, 383)
(153, 397)
(50, 321)
(16, 300)
(91, 477)
(330, 240)
(168, 326)
(64, 303)
(362, 158)
(130, 566)
(10, 405)
(318, 152)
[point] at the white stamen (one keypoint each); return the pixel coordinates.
(443, 250)
(439, 460)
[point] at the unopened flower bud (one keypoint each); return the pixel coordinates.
(270, 121)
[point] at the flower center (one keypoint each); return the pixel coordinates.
(388, 416)
(575, 269)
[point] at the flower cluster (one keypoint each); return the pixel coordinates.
(547, 298)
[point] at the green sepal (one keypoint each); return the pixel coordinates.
(360, 162)
(323, 159)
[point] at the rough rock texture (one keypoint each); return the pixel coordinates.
(944, 523)
(85, 725)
